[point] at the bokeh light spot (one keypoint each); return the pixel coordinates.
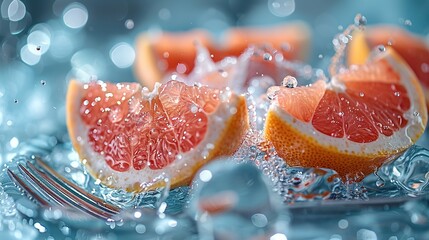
(122, 55)
(75, 15)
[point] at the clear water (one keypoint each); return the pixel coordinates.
(261, 181)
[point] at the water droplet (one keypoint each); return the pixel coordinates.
(194, 109)
(205, 175)
(343, 224)
(361, 94)
(14, 142)
(129, 24)
(397, 94)
(381, 48)
(360, 20)
(272, 93)
(15, 100)
(140, 228)
(425, 67)
(341, 114)
(115, 114)
(281, 8)
(408, 22)
(267, 57)
(134, 140)
(164, 14)
(43, 82)
(379, 182)
(289, 82)
(416, 114)
(38, 48)
(122, 55)
(75, 15)
(181, 68)
(320, 56)
(16, 11)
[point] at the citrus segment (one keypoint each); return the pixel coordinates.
(127, 136)
(363, 117)
(161, 53)
(412, 48)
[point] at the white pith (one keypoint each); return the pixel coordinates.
(400, 140)
(146, 177)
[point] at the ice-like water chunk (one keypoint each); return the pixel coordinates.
(410, 172)
(235, 201)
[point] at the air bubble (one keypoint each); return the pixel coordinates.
(15, 100)
(320, 56)
(43, 82)
(290, 82)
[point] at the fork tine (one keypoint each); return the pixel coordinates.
(70, 197)
(18, 181)
(42, 188)
(71, 186)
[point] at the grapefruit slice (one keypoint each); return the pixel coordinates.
(161, 53)
(365, 116)
(127, 136)
(412, 48)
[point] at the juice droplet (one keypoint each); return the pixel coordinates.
(289, 82)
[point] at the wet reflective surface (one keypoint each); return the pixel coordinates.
(262, 198)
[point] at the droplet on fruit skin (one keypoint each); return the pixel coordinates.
(381, 48)
(115, 114)
(425, 67)
(267, 57)
(272, 93)
(290, 82)
(194, 109)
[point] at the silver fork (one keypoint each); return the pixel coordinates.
(50, 189)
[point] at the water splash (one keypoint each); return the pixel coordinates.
(410, 172)
(340, 43)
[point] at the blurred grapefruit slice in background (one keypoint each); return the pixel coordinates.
(127, 136)
(412, 48)
(366, 115)
(161, 53)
